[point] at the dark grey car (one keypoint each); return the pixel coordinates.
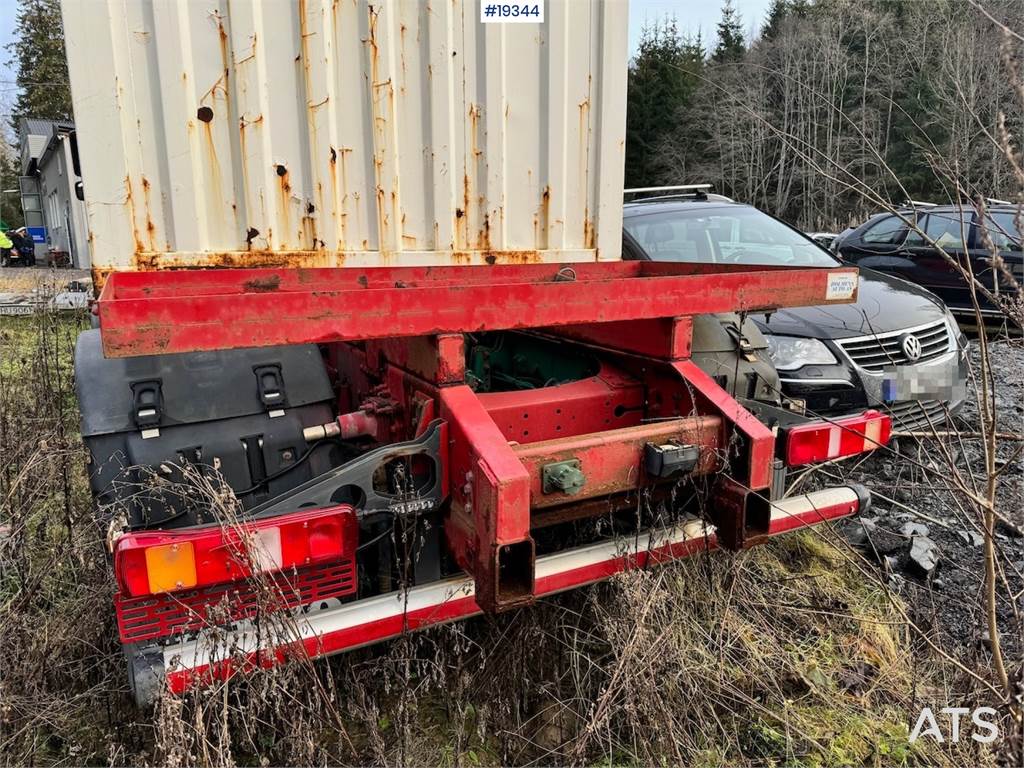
(896, 348)
(886, 244)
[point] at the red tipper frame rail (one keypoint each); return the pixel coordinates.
(144, 313)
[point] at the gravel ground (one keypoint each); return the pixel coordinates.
(27, 281)
(925, 538)
(21, 288)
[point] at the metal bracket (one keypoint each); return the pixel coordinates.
(358, 482)
(743, 345)
(562, 477)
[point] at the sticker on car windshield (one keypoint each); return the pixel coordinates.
(841, 285)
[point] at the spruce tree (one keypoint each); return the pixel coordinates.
(730, 47)
(37, 52)
(10, 204)
(800, 8)
(777, 13)
(662, 78)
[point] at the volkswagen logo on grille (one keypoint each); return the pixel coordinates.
(911, 347)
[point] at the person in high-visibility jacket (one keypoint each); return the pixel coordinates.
(5, 248)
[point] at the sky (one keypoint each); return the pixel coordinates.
(691, 15)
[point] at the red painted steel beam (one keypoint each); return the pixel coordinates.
(440, 360)
(609, 400)
(488, 527)
(613, 461)
(161, 312)
(739, 510)
(208, 282)
(666, 338)
(760, 440)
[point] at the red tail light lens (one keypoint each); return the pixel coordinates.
(154, 562)
(821, 441)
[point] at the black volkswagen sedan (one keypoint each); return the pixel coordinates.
(886, 244)
(897, 348)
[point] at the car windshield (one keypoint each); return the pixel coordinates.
(723, 235)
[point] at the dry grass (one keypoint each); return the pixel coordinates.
(785, 655)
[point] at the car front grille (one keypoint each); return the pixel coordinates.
(916, 415)
(880, 351)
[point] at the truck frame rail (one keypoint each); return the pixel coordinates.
(144, 313)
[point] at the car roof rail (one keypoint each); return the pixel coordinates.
(996, 201)
(682, 197)
(675, 192)
(673, 188)
(697, 191)
(918, 204)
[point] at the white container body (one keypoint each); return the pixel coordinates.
(347, 132)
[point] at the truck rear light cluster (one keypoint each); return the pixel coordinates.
(166, 615)
(821, 441)
(157, 562)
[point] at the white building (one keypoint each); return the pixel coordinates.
(49, 197)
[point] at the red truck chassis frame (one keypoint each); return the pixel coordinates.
(397, 335)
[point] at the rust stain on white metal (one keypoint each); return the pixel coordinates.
(423, 137)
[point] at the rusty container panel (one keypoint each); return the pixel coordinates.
(347, 132)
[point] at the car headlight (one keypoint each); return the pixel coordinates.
(790, 352)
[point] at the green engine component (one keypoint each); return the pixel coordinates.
(506, 362)
(562, 476)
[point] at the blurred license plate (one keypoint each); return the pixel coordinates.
(920, 383)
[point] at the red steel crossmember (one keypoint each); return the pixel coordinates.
(144, 313)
